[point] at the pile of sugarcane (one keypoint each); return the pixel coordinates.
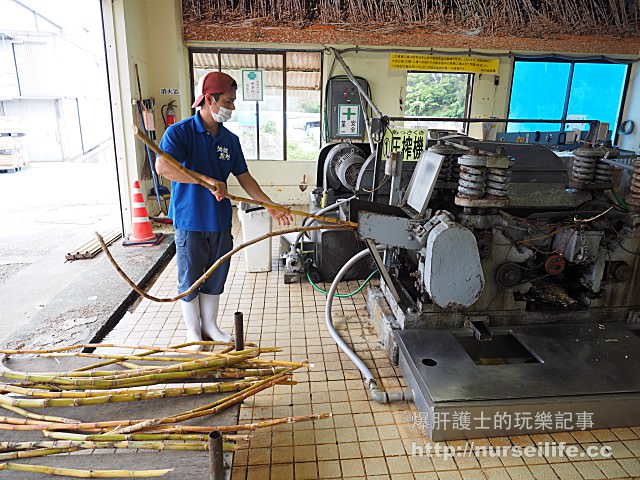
(239, 373)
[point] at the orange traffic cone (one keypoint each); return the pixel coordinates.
(141, 234)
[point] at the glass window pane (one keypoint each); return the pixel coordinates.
(538, 91)
(243, 122)
(270, 109)
(596, 93)
(431, 94)
(303, 105)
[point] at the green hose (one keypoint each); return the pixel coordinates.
(624, 205)
(342, 295)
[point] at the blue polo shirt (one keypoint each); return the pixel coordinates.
(192, 206)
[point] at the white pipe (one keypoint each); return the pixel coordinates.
(374, 392)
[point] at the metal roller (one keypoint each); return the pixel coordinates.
(584, 165)
(472, 175)
(604, 171)
(633, 199)
(449, 170)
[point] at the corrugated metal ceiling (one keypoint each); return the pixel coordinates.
(303, 68)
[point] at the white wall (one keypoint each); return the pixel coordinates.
(632, 112)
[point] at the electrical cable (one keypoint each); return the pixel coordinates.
(342, 295)
(384, 180)
(620, 200)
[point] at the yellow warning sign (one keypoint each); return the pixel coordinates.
(410, 141)
(436, 63)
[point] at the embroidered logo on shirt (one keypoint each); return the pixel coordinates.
(223, 153)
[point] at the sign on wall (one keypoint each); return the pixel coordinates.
(440, 63)
(349, 120)
(252, 85)
(410, 141)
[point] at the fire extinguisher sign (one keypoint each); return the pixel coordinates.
(252, 85)
(169, 91)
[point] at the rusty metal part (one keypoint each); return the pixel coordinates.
(509, 274)
(449, 170)
(619, 272)
(584, 166)
(604, 171)
(555, 265)
(633, 199)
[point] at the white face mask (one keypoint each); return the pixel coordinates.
(223, 115)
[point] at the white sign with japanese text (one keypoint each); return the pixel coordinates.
(349, 120)
(252, 85)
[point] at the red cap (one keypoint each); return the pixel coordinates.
(214, 82)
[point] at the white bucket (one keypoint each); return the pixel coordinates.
(255, 223)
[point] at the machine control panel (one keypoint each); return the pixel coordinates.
(346, 118)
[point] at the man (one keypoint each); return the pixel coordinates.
(202, 218)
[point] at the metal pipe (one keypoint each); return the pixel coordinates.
(374, 392)
(509, 54)
(239, 330)
(355, 82)
(216, 460)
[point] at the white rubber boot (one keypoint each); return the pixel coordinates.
(209, 314)
(191, 317)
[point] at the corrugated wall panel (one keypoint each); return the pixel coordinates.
(37, 68)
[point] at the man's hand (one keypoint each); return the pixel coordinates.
(220, 190)
(282, 217)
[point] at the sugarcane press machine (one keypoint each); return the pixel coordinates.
(510, 286)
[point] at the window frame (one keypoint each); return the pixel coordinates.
(255, 51)
(572, 63)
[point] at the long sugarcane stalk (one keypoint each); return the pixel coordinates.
(37, 416)
(213, 267)
(21, 424)
(207, 409)
(72, 472)
(9, 448)
(39, 452)
(117, 398)
(194, 176)
(105, 437)
(125, 381)
(134, 393)
(147, 355)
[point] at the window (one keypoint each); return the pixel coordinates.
(566, 90)
(432, 94)
(285, 124)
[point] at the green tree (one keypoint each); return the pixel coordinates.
(308, 105)
(436, 94)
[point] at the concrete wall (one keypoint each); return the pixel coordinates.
(154, 41)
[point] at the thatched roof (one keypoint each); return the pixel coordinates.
(520, 18)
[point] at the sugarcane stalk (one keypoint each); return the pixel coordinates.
(239, 428)
(23, 447)
(105, 437)
(205, 410)
(214, 266)
(134, 393)
(141, 380)
(147, 141)
(72, 472)
(36, 416)
(40, 452)
(122, 397)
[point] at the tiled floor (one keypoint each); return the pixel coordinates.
(362, 439)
